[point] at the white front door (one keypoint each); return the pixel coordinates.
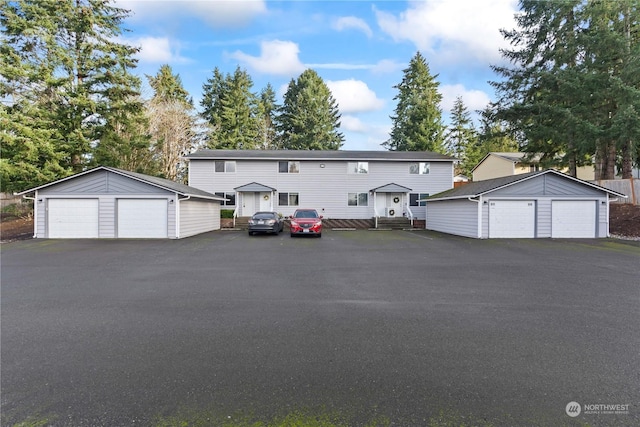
(394, 204)
(512, 218)
(265, 201)
(248, 204)
(573, 218)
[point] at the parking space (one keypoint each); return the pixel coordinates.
(401, 324)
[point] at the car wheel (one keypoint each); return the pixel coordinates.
(292, 234)
(251, 233)
(319, 235)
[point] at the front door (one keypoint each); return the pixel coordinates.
(265, 201)
(394, 204)
(248, 204)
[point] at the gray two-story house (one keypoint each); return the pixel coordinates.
(363, 185)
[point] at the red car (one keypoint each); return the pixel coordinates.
(306, 221)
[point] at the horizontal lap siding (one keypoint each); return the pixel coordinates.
(107, 217)
(198, 217)
(323, 188)
(458, 217)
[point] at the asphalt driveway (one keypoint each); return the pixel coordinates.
(398, 324)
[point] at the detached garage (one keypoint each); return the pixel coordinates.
(533, 205)
(112, 203)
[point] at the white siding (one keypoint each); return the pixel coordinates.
(198, 217)
(454, 217)
(323, 188)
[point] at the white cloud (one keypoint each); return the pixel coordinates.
(453, 31)
(354, 96)
(351, 22)
(352, 124)
(218, 13)
(387, 66)
(276, 57)
(156, 50)
(473, 99)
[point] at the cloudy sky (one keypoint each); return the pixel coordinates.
(358, 47)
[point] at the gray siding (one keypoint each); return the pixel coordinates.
(454, 217)
(107, 215)
(101, 182)
(198, 217)
(324, 188)
(547, 185)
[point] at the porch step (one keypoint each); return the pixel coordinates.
(394, 223)
(242, 222)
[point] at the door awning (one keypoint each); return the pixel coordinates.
(254, 187)
(391, 188)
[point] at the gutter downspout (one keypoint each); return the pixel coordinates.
(35, 212)
(479, 202)
(178, 200)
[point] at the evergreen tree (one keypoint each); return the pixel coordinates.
(231, 109)
(62, 57)
(309, 118)
(417, 123)
(460, 134)
(571, 94)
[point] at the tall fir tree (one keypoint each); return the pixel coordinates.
(63, 58)
(309, 118)
(417, 123)
(460, 134)
(231, 108)
(267, 109)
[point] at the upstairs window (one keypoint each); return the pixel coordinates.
(225, 166)
(414, 197)
(421, 168)
(288, 167)
(358, 167)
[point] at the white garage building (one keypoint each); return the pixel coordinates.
(537, 204)
(107, 202)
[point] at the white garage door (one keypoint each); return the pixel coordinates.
(512, 218)
(142, 218)
(72, 218)
(573, 218)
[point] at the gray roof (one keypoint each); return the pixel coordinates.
(392, 188)
(319, 155)
(254, 186)
(166, 184)
(479, 188)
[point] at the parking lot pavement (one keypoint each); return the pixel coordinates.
(399, 324)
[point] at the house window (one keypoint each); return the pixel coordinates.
(289, 167)
(358, 167)
(230, 196)
(225, 166)
(414, 197)
(288, 199)
(358, 199)
(421, 168)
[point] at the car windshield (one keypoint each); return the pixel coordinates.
(264, 215)
(306, 214)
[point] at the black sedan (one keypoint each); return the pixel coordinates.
(265, 222)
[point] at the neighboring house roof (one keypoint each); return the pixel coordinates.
(318, 155)
(479, 188)
(515, 157)
(254, 186)
(165, 184)
(391, 188)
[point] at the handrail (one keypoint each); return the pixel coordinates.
(410, 214)
(235, 215)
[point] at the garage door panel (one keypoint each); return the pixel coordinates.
(512, 218)
(573, 218)
(73, 218)
(142, 218)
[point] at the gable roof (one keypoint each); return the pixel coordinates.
(392, 188)
(318, 155)
(165, 184)
(479, 188)
(254, 186)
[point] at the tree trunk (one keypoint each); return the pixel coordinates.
(627, 160)
(611, 161)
